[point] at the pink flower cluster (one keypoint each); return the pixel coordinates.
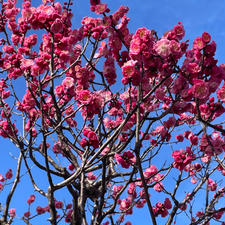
(49, 16)
(200, 89)
(126, 160)
(126, 205)
(40, 210)
(92, 138)
(199, 61)
(182, 158)
(116, 189)
(66, 90)
(212, 144)
(69, 212)
(152, 175)
(8, 176)
(109, 70)
(94, 27)
(93, 103)
(3, 92)
(212, 185)
(162, 208)
(131, 73)
(7, 130)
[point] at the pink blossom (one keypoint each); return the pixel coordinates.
(9, 174)
(160, 93)
(193, 139)
(193, 67)
(2, 179)
(94, 2)
(143, 195)
(58, 204)
(193, 180)
(71, 167)
(152, 170)
(206, 37)
(199, 214)
(160, 209)
(27, 64)
(170, 122)
(57, 148)
(83, 142)
(128, 223)
(175, 48)
(167, 203)
(200, 89)
(198, 43)
(125, 205)
(163, 47)
(8, 49)
(31, 199)
(158, 187)
(40, 210)
(93, 139)
(179, 30)
(140, 203)
(105, 151)
(181, 158)
(180, 137)
(59, 90)
(128, 69)
(85, 96)
(100, 8)
(126, 159)
(212, 185)
(27, 214)
(109, 70)
(91, 176)
(135, 47)
(12, 212)
(132, 190)
(68, 82)
(57, 26)
(221, 93)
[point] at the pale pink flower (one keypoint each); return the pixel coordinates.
(68, 82)
(12, 212)
(128, 69)
(158, 187)
(135, 46)
(163, 47)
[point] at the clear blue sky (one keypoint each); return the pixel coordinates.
(197, 16)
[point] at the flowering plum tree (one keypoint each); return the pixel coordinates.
(113, 121)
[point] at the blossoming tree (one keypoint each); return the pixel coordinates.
(116, 121)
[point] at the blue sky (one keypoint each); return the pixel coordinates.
(197, 16)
